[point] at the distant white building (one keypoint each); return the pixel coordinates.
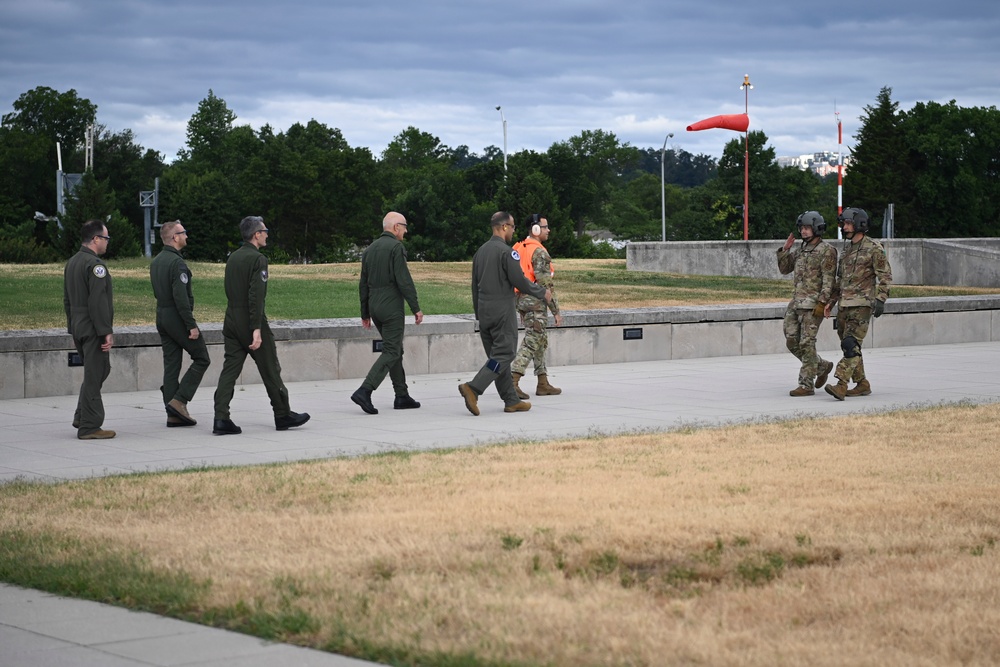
(823, 163)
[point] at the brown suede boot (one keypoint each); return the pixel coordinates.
(839, 391)
(545, 389)
(471, 398)
(179, 410)
(860, 389)
(517, 378)
(802, 391)
(824, 373)
(523, 406)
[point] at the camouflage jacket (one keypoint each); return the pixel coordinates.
(541, 262)
(864, 274)
(815, 268)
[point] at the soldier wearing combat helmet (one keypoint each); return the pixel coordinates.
(863, 281)
(814, 268)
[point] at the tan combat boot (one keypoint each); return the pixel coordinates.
(545, 389)
(179, 410)
(99, 434)
(860, 389)
(824, 373)
(471, 398)
(802, 391)
(839, 391)
(517, 378)
(523, 406)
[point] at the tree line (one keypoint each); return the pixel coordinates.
(323, 199)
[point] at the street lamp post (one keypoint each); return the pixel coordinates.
(504, 121)
(663, 185)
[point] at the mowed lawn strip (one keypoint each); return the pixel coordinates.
(860, 540)
(31, 296)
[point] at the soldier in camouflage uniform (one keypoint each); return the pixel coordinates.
(862, 288)
(537, 266)
(814, 264)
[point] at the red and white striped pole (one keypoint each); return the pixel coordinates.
(746, 86)
(840, 169)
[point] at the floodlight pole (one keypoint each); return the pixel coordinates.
(663, 185)
(504, 121)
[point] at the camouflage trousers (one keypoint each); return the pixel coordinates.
(853, 322)
(536, 341)
(801, 327)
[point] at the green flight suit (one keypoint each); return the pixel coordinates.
(496, 271)
(384, 286)
(90, 314)
(246, 291)
(171, 279)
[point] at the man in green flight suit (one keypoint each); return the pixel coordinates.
(171, 279)
(385, 284)
(246, 331)
(90, 315)
(496, 271)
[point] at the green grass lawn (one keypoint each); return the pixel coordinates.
(31, 295)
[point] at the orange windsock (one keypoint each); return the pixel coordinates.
(736, 121)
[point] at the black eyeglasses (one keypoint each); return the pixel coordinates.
(265, 230)
(98, 236)
(183, 231)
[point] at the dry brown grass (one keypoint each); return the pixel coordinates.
(865, 540)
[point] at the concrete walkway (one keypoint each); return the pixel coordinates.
(38, 443)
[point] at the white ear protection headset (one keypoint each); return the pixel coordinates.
(536, 229)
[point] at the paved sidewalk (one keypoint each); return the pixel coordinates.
(38, 443)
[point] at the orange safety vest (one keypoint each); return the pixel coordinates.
(526, 249)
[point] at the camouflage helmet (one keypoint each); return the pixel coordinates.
(855, 215)
(811, 219)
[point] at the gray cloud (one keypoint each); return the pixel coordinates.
(640, 69)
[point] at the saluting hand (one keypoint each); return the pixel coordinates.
(789, 242)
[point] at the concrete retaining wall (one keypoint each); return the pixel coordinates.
(959, 262)
(35, 363)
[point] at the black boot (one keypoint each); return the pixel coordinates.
(225, 427)
(363, 397)
(405, 403)
(291, 420)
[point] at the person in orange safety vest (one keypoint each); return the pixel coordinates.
(537, 266)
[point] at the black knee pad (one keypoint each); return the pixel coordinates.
(850, 347)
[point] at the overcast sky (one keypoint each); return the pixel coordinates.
(638, 68)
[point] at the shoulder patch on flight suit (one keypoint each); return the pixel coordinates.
(184, 278)
(263, 275)
(100, 271)
(513, 253)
